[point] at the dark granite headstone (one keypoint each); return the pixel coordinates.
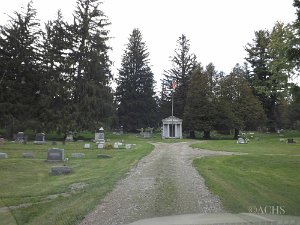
(39, 138)
(20, 137)
(55, 154)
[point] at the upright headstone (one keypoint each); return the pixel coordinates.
(99, 136)
(116, 145)
(1, 141)
(56, 154)
(20, 137)
(128, 146)
(69, 137)
(241, 141)
(147, 134)
(87, 146)
(3, 155)
(39, 138)
(100, 145)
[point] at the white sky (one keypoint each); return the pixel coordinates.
(218, 29)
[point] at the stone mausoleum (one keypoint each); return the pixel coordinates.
(172, 127)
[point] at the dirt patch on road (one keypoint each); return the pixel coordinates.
(163, 183)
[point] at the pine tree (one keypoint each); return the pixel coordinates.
(20, 71)
(183, 65)
(137, 107)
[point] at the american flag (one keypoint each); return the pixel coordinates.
(174, 84)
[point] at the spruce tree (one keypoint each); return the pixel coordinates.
(89, 66)
(135, 96)
(58, 111)
(20, 71)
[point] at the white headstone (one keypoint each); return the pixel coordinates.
(116, 145)
(241, 141)
(87, 145)
(100, 145)
(128, 146)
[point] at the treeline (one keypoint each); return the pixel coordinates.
(59, 78)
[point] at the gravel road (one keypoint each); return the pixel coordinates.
(163, 183)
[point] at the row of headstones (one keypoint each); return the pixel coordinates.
(116, 145)
(22, 138)
(54, 154)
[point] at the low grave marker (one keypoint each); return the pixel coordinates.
(56, 154)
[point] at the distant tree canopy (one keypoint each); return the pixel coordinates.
(57, 79)
(135, 96)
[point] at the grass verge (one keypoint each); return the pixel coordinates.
(50, 199)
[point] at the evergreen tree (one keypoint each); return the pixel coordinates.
(58, 111)
(183, 65)
(20, 74)
(137, 106)
(89, 66)
(261, 78)
(200, 108)
(238, 107)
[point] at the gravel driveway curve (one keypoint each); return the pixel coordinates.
(163, 183)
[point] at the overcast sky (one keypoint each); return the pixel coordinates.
(218, 29)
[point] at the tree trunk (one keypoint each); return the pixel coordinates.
(206, 135)
(236, 134)
(192, 134)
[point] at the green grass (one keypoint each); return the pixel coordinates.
(259, 144)
(257, 179)
(246, 181)
(28, 181)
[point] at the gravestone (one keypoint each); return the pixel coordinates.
(147, 134)
(290, 141)
(69, 137)
(56, 154)
(39, 138)
(3, 155)
(87, 146)
(20, 137)
(1, 141)
(128, 146)
(27, 155)
(59, 170)
(100, 145)
(99, 136)
(241, 141)
(116, 145)
(78, 155)
(53, 143)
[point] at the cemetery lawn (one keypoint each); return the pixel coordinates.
(40, 198)
(268, 176)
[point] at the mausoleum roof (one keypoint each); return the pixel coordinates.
(172, 118)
